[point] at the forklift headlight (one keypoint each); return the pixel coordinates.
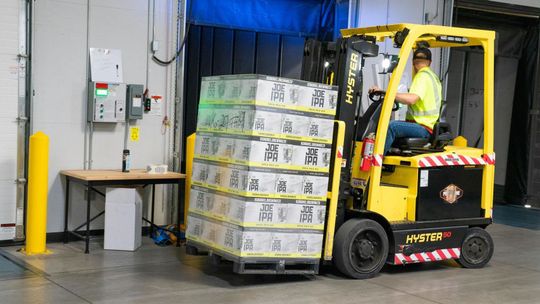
(388, 63)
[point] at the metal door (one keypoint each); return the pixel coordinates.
(13, 61)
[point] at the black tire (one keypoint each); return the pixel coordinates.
(476, 249)
(360, 248)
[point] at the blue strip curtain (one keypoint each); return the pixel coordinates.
(310, 18)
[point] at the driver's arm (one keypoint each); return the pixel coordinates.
(407, 98)
(404, 98)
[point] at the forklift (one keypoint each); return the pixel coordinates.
(429, 201)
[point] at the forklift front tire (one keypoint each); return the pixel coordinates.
(360, 248)
(477, 248)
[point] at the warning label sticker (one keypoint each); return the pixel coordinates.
(424, 178)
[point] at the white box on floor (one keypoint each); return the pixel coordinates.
(123, 219)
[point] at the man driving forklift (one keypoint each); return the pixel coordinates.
(423, 101)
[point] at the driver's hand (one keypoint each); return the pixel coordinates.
(374, 89)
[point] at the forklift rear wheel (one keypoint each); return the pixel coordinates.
(360, 248)
(477, 248)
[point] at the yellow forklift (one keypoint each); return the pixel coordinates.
(429, 201)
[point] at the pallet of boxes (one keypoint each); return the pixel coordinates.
(260, 172)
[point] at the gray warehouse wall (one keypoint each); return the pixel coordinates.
(60, 87)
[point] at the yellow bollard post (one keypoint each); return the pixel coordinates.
(36, 212)
(190, 150)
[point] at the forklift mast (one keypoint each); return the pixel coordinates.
(340, 63)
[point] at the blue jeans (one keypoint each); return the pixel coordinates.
(400, 129)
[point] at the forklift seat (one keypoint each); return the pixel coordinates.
(442, 135)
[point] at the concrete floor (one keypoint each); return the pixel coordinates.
(166, 275)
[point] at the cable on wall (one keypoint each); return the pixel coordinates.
(180, 48)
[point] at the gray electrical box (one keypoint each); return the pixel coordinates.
(106, 102)
(135, 101)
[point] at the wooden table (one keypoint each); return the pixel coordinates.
(94, 178)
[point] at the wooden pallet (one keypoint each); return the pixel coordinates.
(290, 266)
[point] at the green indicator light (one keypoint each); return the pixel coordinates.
(102, 92)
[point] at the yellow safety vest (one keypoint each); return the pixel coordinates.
(427, 86)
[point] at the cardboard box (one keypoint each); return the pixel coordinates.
(209, 203)
(311, 155)
(259, 182)
(290, 93)
(294, 125)
(212, 89)
(315, 185)
(258, 212)
(199, 199)
(284, 243)
(242, 149)
(263, 121)
(199, 172)
(261, 212)
(318, 97)
(249, 88)
(205, 118)
(254, 242)
(278, 91)
(289, 184)
(216, 175)
(234, 177)
(230, 239)
(264, 150)
(233, 89)
(223, 147)
(309, 244)
(306, 213)
(123, 213)
(194, 228)
(210, 232)
(223, 118)
(321, 128)
(204, 144)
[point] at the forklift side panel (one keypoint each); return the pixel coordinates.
(404, 176)
(449, 193)
(421, 245)
(423, 240)
(394, 203)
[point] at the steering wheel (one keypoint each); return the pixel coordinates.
(378, 96)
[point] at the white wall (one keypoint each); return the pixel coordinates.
(381, 12)
(60, 85)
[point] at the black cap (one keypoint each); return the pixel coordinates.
(422, 53)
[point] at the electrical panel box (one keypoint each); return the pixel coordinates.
(135, 101)
(106, 102)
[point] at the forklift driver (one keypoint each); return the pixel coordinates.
(423, 101)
